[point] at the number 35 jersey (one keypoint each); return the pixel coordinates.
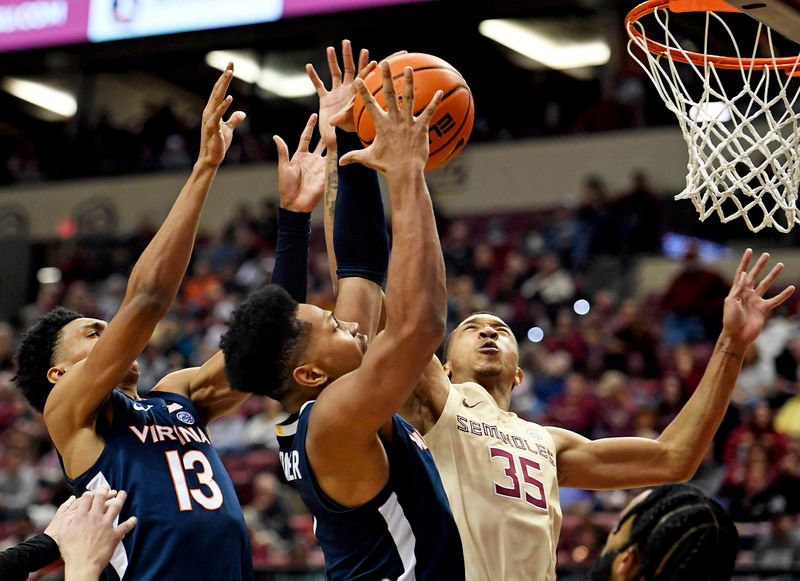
(499, 473)
(190, 523)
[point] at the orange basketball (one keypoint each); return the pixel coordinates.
(452, 122)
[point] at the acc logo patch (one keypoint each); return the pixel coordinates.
(185, 417)
(533, 435)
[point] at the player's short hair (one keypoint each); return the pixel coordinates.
(681, 534)
(35, 355)
(446, 344)
(264, 343)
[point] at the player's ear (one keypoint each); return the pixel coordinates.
(519, 375)
(626, 565)
(55, 373)
(309, 375)
(447, 370)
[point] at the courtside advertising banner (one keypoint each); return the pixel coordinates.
(118, 19)
(33, 23)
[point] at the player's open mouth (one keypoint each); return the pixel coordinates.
(489, 347)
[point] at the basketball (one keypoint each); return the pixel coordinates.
(452, 123)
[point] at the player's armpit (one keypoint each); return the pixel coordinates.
(426, 404)
(612, 463)
(210, 391)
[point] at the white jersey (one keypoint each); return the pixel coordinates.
(499, 473)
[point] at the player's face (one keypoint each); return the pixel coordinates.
(335, 346)
(78, 338)
(483, 345)
(618, 562)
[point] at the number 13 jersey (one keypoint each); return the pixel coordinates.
(189, 521)
(499, 473)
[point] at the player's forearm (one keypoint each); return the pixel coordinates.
(689, 434)
(416, 295)
(159, 271)
(329, 203)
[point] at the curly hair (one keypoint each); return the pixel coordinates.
(264, 343)
(35, 355)
(683, 535)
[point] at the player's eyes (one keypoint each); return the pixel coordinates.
(503, 330)
(94, 334)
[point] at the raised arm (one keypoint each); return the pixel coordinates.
(300, 183)
(679, 450)
(355, 224)
(81, 390)
(415, 305)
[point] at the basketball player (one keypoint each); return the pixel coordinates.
(365, 474)
(670, 533)
(502, 473)
(82, 374)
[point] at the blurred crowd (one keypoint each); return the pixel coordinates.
(613, 364)
(548, 103)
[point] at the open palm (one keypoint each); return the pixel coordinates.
(338, 101)
(746, 309)
(301, 178)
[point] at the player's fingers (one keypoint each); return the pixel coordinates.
(319, 148)
(369, 101)
(305, 136)
(758, 268)
(388, 89)
(315, 80)
(343, 114)
(408, 91)
(68, 504)
(220, 87)
(766, 283)
(220, 110)
(114, 506)
(744, 263)
(333, 65)
(367, 69)
(363, 59)
(347, 62)
(781, 297)
(124, 528)
(98, 500)
(738, 285)
(236, 119)
(283, 149)
(427, 114)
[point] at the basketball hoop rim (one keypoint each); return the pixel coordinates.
(786, 64)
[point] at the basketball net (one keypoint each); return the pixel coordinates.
(737, 115)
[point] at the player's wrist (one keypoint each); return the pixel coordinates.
(732, 345)
(81, 570)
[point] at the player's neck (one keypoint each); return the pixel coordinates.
(129, 391)
(499, 387)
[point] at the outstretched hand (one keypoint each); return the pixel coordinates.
(401, 140)
(93, 532)
(216, 134)
(746, 309)
(301, 179)
(336, 104)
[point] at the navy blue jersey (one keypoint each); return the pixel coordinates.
(190, 523)
(406, 532)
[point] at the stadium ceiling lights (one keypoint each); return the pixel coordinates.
(57, 101)
(247, 68)
(546, 44)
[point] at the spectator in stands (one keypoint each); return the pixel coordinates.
(693, 302)
(616, 407)
(574, 410)
(757, 431)
(641, 215)
(18, 483)
(756, 379)
(458, 250)
(552, 285)
(268, 515)
(780, 549)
